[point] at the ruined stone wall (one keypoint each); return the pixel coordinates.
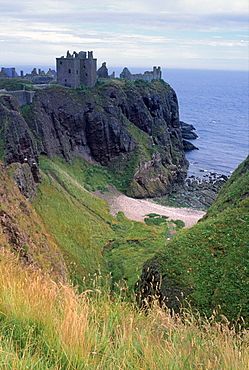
(8, 72)
(156, 73)
(88, 74)
(22, 96)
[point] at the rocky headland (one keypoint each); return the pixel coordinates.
(133, 128)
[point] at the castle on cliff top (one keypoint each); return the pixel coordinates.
(81, 69)
(76, 69)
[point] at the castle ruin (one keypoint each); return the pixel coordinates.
(74, 70)
(102, 72)
(8, 72)
(77, 69)
(156, 73)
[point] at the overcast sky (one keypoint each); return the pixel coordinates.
(204, 34)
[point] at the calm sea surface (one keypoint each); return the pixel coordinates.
(216, 104)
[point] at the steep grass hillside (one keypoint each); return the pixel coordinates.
(209, 263)
(22, 230)
(88, 236)
(69, 232)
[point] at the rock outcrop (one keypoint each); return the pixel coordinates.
(199, 192)
(19, 145)
(130, 127)
(187, 133)
(188, 146)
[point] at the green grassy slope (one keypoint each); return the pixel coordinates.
(210, 261)
(88, 236)
(233, 192)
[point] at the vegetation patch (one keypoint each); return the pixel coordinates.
(12, 84)
(127, 252)
(124, 168)
(153, 219)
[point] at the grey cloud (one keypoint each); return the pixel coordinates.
(165, 20)
(144, 19)
(240, 18)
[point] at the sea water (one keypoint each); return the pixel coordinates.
(216, 104)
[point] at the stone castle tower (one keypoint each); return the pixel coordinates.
(77, 69)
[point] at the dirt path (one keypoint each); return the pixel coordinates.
(137, 209)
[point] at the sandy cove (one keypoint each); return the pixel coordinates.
(137, 209)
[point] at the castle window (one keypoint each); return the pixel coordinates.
(86, 74)
(65, 80)
(69, 71)
(60, 62)
(77, 72)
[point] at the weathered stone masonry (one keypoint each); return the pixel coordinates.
(156, 73)
(77, 69)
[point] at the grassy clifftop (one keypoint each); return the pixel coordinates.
(11, 84)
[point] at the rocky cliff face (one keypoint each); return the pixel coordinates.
(18, 145)
(120, 124)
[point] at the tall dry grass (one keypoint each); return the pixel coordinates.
(45, 325)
